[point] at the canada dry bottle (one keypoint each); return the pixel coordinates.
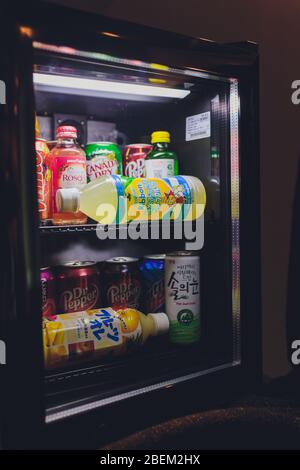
(68, 163)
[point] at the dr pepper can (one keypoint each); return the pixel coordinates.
(78, 286)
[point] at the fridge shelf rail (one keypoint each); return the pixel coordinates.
(156, 229)
(67, 228)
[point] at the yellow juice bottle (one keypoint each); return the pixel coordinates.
(119, 199)
(93, 334)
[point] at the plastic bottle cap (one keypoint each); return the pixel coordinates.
(160, 136)
(162, 323)
(67, 132)
(67, 200)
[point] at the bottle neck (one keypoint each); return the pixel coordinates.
(66, 141)
(161, 146)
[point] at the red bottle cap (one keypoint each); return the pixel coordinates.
(67, 132)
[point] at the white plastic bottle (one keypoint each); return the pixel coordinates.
(119, 199)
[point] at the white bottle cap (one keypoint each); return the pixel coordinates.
(162, 323)
(67, 200)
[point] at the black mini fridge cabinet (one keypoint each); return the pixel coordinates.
(206, 95)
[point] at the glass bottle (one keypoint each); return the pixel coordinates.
(68, 165)
(161, 162)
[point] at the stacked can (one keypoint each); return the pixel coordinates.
(121, 283)
(153, 271)
(78, 286)
(48, 291)
(102, 159)
(134, 156)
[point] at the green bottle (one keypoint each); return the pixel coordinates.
(161, 162)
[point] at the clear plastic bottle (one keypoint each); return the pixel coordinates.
(68, 167)
(94, 334)
(117, 199)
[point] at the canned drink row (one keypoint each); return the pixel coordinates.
(157, 283)
(106, 158)
(118, 282)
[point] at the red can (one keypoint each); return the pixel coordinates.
(134, 159)
(122, 284)
(78, 287)
(48, 292)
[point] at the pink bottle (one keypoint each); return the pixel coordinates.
(68, 164)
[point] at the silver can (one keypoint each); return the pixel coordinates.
(182, 291)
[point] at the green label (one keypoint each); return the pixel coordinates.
(186, 329)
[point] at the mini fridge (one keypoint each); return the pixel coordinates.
(118, 82)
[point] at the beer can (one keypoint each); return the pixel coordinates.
(102, 158)
(153, 274)
(182, 291)
(134, 159)
(48, 292)
(43, 175)
(122, 283)
(78, 287)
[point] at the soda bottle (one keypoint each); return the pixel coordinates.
(161, 162)
(94, 334)
(68, 165)
(118, 199)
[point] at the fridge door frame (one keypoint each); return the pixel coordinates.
(21, 224)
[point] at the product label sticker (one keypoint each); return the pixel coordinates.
(197, 126)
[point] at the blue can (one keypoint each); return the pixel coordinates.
(153, 272)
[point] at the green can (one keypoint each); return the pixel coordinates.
(102, 158)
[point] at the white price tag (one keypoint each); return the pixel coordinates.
(197, 126)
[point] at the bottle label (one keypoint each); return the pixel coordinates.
(163, 168)
(73, 336)
(72, 176)
(158, 198)
(68, 173)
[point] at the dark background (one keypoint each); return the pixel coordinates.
(274, 24)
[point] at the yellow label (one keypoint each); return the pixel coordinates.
(72, 336)
(156, 198)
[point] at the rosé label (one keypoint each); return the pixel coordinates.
(68, 173)
(71, 176)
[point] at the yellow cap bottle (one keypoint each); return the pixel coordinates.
(160, 136)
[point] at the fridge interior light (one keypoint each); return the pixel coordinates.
(79, 84)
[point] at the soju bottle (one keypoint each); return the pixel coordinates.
(161, 162)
